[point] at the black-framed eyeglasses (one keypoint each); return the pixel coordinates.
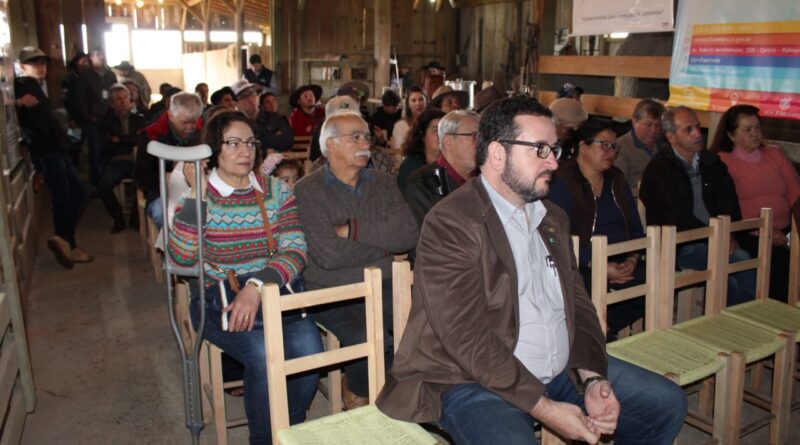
(473, 135)
(543, 149)
(358, 137)
(236, 143)
(606, 145)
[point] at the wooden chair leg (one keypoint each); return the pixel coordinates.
(155, 256)
(205, 379)
(756, 376)
(729, 399)
(782, 382)
(218, 395)
(334, 377)
(706, 397)
(550, 438)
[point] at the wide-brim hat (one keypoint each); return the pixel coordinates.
(486, 96)
(569, 111)
(126, 66)
(444, 91)
(360, 88)
(31, 53)
(316, 89)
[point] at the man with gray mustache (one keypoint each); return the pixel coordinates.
(353, 217)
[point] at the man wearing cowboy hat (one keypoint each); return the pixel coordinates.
(306, 115)
(273, 132)
(47, 144)
(126, 71)
(447, 99)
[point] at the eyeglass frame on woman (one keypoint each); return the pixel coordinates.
(250, 144)
(356, 137)
(605, 145)
(543, 149)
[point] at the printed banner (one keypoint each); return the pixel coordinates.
(593, 17)
(730, 52)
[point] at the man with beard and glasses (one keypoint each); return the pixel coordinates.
(353, 217)
(502, 334)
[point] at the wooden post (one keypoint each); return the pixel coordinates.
(383, 42)
(50, 42)
(626, 86)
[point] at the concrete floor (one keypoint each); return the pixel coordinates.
(105, 364)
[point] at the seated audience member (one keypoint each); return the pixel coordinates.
(119, 130)
(422, 146)
(430, 184)
(387, 115)
(353, 217)
(262, 78)
(641, 143)
(201, 89)
(568, 115)
(126, 71)
(137, 103)
(764, 177)
(267, 101)
(501, 334)
(224, 97)
(684, 185)
(162, 105)
(597, 200)
(415, 103)
(306, 114)
(569, 91)
(447, 99)
(257, 251)
(46, 140)
(69, 87)
(289, 171)
(335, 102)
(179, 126)
(246, 98)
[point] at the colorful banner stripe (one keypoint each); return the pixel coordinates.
(746, 50)
(777, 105)
(746, 28)
(768, 61)
(792, 38)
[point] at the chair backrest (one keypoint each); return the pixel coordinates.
(402, 280)
(761, 263)
(278, 368)
(794, 260)
(602, 297)
(301, 143)
(711, 276)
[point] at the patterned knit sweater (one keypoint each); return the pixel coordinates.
(234, 232)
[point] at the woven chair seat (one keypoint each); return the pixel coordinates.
(772, 315)
(727, 334)
(667, 354)
(362, 426)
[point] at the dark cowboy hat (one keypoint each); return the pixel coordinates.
(434, 64)
(126, 66)
(444, 91)
(316, 89)
(486, 96)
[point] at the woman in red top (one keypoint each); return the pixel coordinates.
(764, 177)
(306, 114)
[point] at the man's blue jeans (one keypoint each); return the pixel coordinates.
(300, 337)
(66, 192)
(155, 211)
(741, 285)
(653, 409)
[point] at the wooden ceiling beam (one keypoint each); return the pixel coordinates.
(191, 9)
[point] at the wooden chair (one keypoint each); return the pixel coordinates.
(366, 424)
(141, 207)
(660, 350)
(728, 335)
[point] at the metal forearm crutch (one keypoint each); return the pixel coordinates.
(190, 360)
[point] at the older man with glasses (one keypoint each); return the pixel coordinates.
(430, 184)
(353, 217)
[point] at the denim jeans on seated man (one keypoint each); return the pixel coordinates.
(154, 211)
(300, 337)
(741, 285)
(348, 322)
(652, 409)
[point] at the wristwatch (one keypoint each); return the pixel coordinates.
(588, 382)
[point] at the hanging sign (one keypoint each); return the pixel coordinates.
(593, 17)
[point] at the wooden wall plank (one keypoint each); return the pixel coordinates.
(652, 67)
(8, 372)
(15, 422)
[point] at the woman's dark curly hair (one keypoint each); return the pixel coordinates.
(214, 129)
(728, 123)
(415, 144)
